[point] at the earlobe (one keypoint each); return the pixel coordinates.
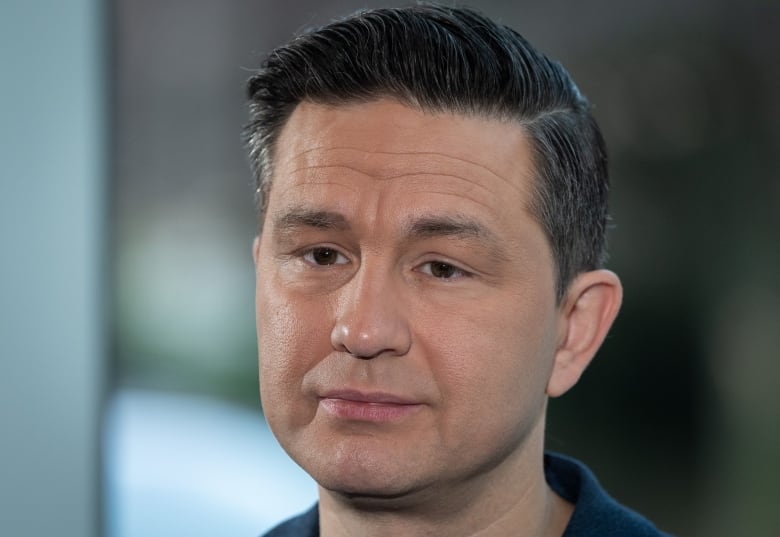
(588, 310)
(256, 249)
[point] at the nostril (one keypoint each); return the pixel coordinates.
(339, 336)
(367, 344)
(356, 344)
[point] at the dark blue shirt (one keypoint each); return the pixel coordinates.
(595, 513)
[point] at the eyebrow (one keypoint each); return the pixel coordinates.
(435, 226)
(304, 217)
(455, 226)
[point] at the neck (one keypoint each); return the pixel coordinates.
(511, 498)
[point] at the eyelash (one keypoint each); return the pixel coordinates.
(341, 259)
(308, 256)
(459, 272)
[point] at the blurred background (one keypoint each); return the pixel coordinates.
(128, 394)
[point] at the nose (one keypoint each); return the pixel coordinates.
(370, 319)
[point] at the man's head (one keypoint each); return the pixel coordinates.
(425, 178)
(442, 59)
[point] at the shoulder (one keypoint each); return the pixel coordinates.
(304, 525)
(595, 512)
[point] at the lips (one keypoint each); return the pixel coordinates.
(376, 407)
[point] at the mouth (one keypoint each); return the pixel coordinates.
(378, 407)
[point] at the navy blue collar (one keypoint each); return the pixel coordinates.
(596, 514)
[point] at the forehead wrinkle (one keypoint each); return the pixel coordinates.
(397, 153)
(325, 167)
(475, 182)
(303, 153)
(460, 196)
(411, 175)
(297, 183)
(450, 157)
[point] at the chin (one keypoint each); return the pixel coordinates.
(361, 480)
(369, 495)
(362, 475)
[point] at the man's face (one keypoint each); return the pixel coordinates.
(405, 299)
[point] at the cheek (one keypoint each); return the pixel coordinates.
(292, 335)
(494, 366)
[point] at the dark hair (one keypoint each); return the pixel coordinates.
(444, 59)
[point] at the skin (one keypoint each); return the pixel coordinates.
(409, 335)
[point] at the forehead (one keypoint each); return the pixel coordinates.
(385, 145)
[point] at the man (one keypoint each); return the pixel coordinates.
(432, 198)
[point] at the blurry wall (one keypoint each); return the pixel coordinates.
(679, 413)
(52, 210)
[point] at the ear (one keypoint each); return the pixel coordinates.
(587, 311)
(256, 249)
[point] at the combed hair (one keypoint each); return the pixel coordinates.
(446, 59)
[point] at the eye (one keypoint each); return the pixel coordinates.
(323, 256)
(442, 270)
